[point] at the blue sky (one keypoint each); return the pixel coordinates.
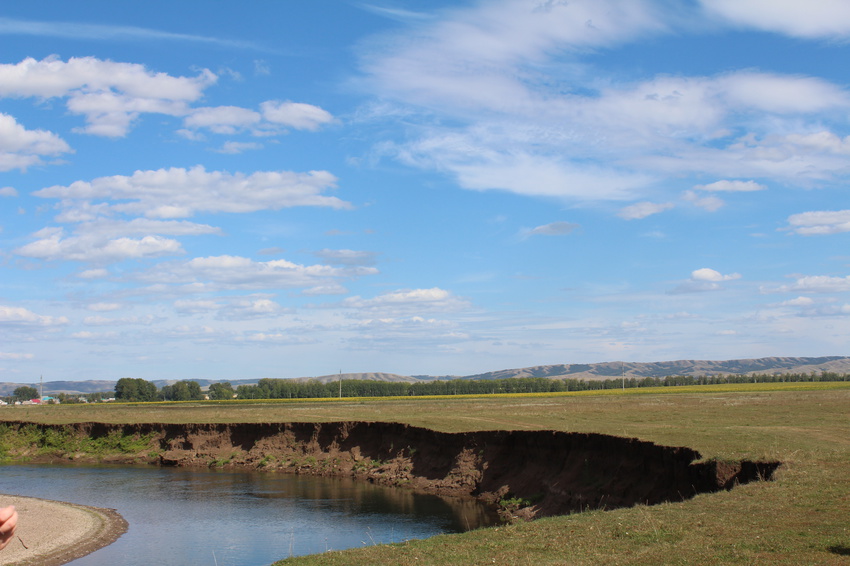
(279, 189)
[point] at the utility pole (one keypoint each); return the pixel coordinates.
(41, 389)
(624, 374)
(340, 383)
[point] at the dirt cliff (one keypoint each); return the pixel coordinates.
(531, 473)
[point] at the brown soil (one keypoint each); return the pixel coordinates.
(543, 473)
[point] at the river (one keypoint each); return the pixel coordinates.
(239, 518)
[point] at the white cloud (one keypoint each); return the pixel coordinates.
(319, 290)
(552, 229)
(404, 301)
(233, 308)
(798, 302)
(234, 272)
(98, 273)
(110, 95)
(709, 203)
(297, 115)
(704, 279)
(16, 356)
(816, 19)
(817, 284)
(24, 317)
(104, 307)
(780, 94)
(276, 338)
(643, 209)
(708, 274)
(498, 96)
(8, 192)
(272, 117)
(53, 245)
(817, 223)
(76, 30)
(21, 148)
(731, 186)
(95, 336)
(144, 226)
(233, 148)
(180, 193)
(222, 119)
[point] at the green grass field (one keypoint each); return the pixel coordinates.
(801, 518)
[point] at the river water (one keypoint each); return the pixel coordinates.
(234, 518)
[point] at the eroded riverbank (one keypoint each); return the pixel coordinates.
(528, 474)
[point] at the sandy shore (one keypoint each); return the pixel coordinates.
(52, 533)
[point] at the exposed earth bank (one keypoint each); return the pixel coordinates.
(527, 474)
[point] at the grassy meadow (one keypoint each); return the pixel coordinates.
(801, 518)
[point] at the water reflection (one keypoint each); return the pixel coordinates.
(204, 517)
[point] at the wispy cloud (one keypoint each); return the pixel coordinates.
(75, 30)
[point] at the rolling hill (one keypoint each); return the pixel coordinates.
(604, 370)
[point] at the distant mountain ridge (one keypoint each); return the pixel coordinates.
(608, 370)
(587, 372)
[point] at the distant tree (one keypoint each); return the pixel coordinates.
(138, 389)
(66, 399)
(25, 393)
(182, 391)
(219, 391)
(94, 397)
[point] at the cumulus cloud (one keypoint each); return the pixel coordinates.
(8, 192)
(708, 274)
(820, 19)
(296, 115)
(704, 279)
(21, 148)
(643, 209)
(19, 316)
(180, 193)
(273, 117)
(53, 245)
(819, 223)
(110, 95)
(552, 229)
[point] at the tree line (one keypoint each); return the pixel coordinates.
(290, 389)
(141, 390)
